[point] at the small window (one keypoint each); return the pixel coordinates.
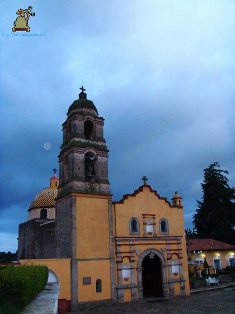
(134, 226)
(43, 213)
(98, 286)
(163, 226)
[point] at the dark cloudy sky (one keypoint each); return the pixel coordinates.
(161, 73)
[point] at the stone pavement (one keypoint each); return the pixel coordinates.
(212, 301)
(46, 302)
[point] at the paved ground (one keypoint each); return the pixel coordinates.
(214, 301)
(46, 301)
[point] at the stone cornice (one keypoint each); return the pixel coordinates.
(149, 239)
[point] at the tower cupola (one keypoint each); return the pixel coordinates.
(83, 105)
(177, 200)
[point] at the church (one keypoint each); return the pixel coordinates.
(98, 249)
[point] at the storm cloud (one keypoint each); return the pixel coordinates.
(161, 73)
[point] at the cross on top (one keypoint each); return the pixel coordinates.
(82, 89)
(145, 179)
(55, 170)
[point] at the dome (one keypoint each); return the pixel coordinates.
(46, 198)
(82, 103)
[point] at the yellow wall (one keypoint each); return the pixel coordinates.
(61, 267)
(95, 270)
(92, 246)
(92, 227)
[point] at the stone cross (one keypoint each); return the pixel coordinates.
(82, 89)
(145, 179)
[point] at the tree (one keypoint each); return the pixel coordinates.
(215, 215)
(190, 234)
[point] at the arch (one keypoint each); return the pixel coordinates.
(163, 226)
(52, 277)
(98, 285)
(88, 129)
(174, 254)
(90, 160)
(134, 226)
(125, 256)
(43, 213)
(162, 261)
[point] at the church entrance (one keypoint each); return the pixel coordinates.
(152, 276)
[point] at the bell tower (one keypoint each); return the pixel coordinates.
(84, 224)
(84, 156)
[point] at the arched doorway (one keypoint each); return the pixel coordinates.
(52, 277)
(152, 276)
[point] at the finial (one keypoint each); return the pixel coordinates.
(82, 89)
(145, 179)
(82, 95)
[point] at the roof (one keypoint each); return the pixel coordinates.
(82, 103)
(208, 245)
(46, 198)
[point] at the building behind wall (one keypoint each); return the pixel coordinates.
(101, 249)
(218, 254)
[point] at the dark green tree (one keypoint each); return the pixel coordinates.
(215, 215)
(190, 234)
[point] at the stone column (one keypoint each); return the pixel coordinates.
(154, 226)
(182, 281)
(111, 248)
(120, 292)
(134, 291)
(74, 263)
(140, 284)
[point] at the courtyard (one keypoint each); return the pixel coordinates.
(213, 301)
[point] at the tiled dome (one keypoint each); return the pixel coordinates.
(46, 198)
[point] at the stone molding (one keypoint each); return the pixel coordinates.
(163, 271)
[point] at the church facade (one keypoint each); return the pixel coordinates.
(99, 249)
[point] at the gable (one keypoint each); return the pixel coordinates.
(143, 192)
(146, 205)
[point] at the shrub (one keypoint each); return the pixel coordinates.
(21, 284)
(3, 267)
